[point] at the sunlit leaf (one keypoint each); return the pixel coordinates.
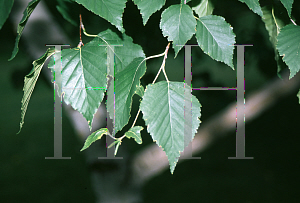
(84, 70)
(163, 111)
(135, 133)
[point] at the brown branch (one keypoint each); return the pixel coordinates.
(80, 26)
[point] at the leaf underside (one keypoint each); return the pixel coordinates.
(163, 111)
(135, 132)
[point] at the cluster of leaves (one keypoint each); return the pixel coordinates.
(162, 103)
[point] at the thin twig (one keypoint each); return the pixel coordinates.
(162, 67)
(275, 21)
(293, 21)
(80, 26)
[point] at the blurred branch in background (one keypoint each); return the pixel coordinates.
(152, 160)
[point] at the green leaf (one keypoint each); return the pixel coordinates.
(127, 83)
(97, 135)
(123, 57)
(111, 10)
(118, 142)
(26, 14)
(205, 8)
(85, 68)
(149, 7)
(135, 132)
(273, 29)
(288, 46)
(5, 8)
(298, 95)
(253, 5)
(178, 23)
(64, 10)
(288, 4)
(140, 91)
(82, 69)
(216, 38)
(30, 81)
(163, 111)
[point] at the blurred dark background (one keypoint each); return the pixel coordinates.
(272, 138)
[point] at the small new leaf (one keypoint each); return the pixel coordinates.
(117, 147)
(118, 142)
(135, 132)
(140, 91)
(112, 144)
(97, 135)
